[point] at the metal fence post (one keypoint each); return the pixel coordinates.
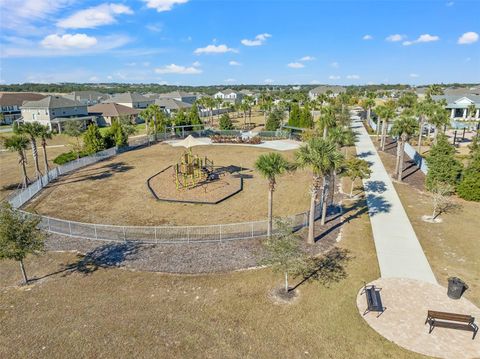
(70, 227)
(95, 228)
(124, 234)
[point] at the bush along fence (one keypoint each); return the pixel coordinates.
(410, 151)
(170, 234)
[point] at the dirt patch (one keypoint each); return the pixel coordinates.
(280, 296)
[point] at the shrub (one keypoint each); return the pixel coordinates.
(274, 120)
(443, 167)
(226, 122)
(68, 156)
(93, 140)
(469, 186)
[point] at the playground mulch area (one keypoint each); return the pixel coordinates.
(222, 185)
(115, 191)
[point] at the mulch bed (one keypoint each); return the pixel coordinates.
(188, 258)
(411, 172)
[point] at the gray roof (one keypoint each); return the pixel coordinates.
(52, 102)
(86, 95)
(324, 88)
(172, 104)
(128, 97)
(17, 98)
(451, 99)
(176, 94)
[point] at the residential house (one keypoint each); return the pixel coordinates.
(87, 97)
(181, 96)
(10, 103)
(330, 91)
(54, 111)
(170, 105)
(229, 95)
(105, 113)
(130, 99)
(458, 106)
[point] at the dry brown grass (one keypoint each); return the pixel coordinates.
(115, 191)
(114, 313)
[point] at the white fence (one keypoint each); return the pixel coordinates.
(159, 234)
(410, 151)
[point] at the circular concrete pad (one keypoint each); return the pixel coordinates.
(403, 322)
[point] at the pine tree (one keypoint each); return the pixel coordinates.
(469, 187)
(193, 116)
(274, 120)
(93, 140)
(443, 167)
(225, 122)
(295, 114)
(306, 120)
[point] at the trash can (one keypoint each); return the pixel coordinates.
(456, 287)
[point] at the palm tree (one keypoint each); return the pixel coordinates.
(439, 118)
(342, 137)
(327, 120)
(19, 143)
(423, 110)
(271, 165)
(244, 107)
(403, 128)
(356, 168)
(45, 134)
(153, 113)
(385, 113)
(367, 104)
(472, 111)
(322, 157)
(32, 130)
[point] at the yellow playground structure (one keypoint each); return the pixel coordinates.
(192, 170)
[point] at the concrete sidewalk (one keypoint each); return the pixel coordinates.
(398, 249)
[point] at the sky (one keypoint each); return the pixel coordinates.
(206, 42)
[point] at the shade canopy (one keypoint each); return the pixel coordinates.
(190, 141)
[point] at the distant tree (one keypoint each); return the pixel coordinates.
(193, 115)
(306, 118)
(469, 186)
(19, 143)
(270, 166)
(275, 119)
(356, 168)
(93, 140)
(443, 167)
(439, 118)
(117, 133)
(385, 114)
(74, 129)
(225, 122)
(433, 90)
(472, 111)
(295, 114)
(284, 253)
(407, 100)
(423, 110)
(367, 104)
(155, 115)
(327, 120)
(19, 236)
(45, 134)
(181, 118)
(402, 128)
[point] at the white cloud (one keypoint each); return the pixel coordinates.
(177, 69)
(214, 49)
(414, 75)
(80, 41)
(335, 65)
(230, 80)
(422, 38)
(163, 5)
(468, 38)
(196, 64)
(155, 27)
(234, 63)
(296, 65)
(353, 77)
(257, 41)
(307, 58)
(395, 38)
(334, 77)
(103, 14)
(367, 37)
(268, 81)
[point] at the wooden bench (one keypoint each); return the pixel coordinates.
(374, 301)
(451, 320)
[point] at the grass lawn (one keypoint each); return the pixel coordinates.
(452, 247)
(115, 191)
(115, 313)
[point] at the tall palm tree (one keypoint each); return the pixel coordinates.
(424, 111)
(385, 113)
(321, 157)
(472, 111)
(439, 118)
(32, 130)
(45, 134)
(270, 166)
(19, 143)
(356, 168)
(367, 104)
(403, 128)
(327, 120)
(153, 114)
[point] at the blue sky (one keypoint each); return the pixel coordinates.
(203, 42)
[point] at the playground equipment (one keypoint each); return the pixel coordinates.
(192, 170)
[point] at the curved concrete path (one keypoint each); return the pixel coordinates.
(399, 252)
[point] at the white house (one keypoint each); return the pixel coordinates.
(10, 103)
(130, 99)
(459, 105)
(229, 95)
(179, 96)
(53, 111)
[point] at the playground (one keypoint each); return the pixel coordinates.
(115, 191)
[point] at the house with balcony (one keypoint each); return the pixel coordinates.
(106, 113)
(10, 103)
(54, 112)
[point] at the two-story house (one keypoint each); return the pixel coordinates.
(130, 99)
(10, 103)
(330, 91)
(179, 96)
(88, 98)
(54, 111)
(229, 95)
